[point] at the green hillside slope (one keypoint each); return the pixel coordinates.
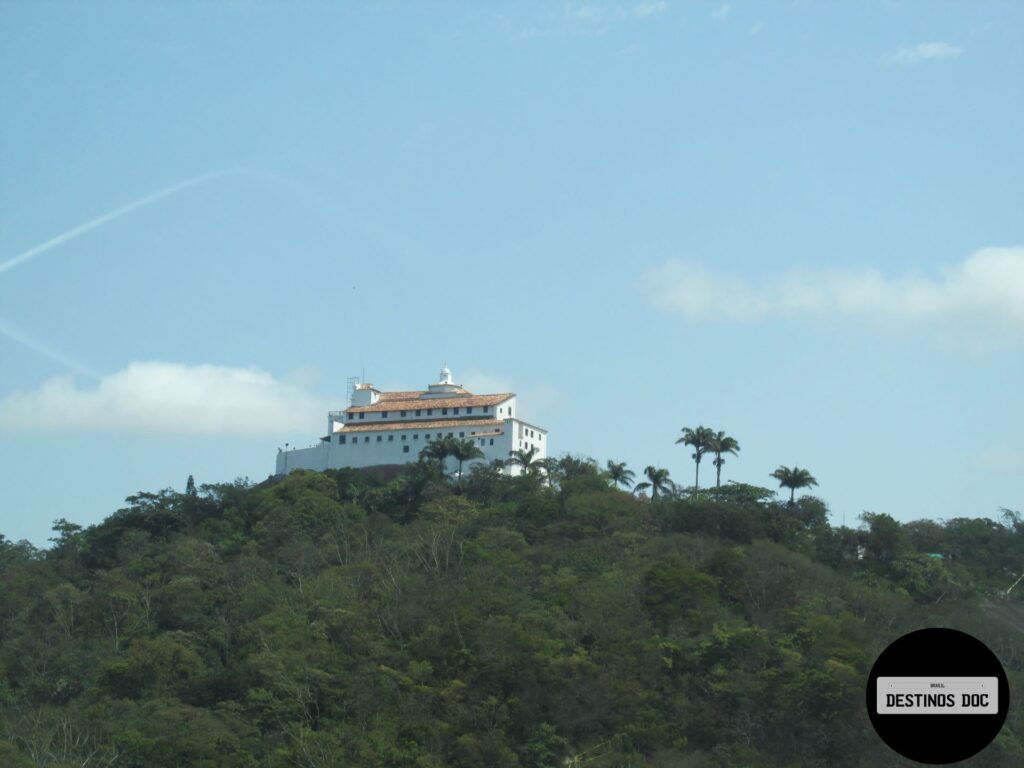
(339, 619)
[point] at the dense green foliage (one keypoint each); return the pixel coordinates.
(341, 620)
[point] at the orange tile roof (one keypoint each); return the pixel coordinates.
(388, 426)
(407, 403)
(402, 395)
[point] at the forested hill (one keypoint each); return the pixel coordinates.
(340, 619)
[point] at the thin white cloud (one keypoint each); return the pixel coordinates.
(721, 13)
(915, 54)
(117, 213)
(50, 353)
(1002, 459)
(592, 19)
(483, 383)
(166, 398)
(535, 403)
(985, 290)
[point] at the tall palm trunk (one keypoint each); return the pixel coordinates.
(696, 474)
(718, 470)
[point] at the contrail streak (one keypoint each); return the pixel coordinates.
(116, 213)
(58, 357)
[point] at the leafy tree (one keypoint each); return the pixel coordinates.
(718, 444)
(700, 439)
(793, 478)
(366, 618)
(618, 474)
(657, 480)
(886, 539)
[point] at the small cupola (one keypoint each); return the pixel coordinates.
(444, 384)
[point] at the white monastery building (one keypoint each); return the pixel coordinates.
(381, 428)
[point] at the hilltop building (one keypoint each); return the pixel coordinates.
(388, 428)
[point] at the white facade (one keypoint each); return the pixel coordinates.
(381, 428)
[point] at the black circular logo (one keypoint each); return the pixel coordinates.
(937, 696)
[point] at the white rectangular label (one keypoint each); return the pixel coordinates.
(937, 696)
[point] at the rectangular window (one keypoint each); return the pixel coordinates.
(470, 409)
(380, 438)
(391, 438)
(341, 439)
(405, 449)
(449, 434)
(417, 411)
(403, 438)
(402, 414)
(462, 434)
(383, 414)
(487, 408)
(456, 411)
(415, 437)
(439, 435)
(492, 441)
(430, 411)
(362, 415)
(351, 416)
(366, 439)
(444, 411)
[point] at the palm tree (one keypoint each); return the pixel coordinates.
(793, 478)
(552, 469)
(618, 474)
(657, 481)
(721, 443)
(464, 450)
(524, 459)
(699, 439)
(439, 451)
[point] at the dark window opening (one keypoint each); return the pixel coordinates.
(405, 449)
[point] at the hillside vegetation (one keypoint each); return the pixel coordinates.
(341, 619)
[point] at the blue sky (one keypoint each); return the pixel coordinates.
(798, 222)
